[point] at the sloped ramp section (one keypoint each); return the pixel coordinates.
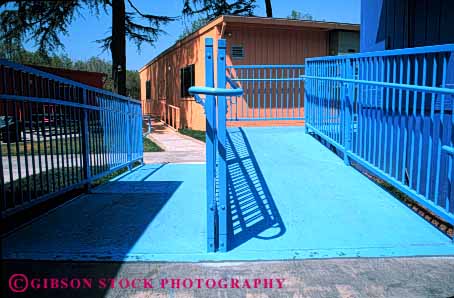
(297, 198)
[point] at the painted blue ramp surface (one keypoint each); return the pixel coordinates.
(290, 197)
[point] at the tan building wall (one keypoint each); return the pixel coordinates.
(164, 76)
(265, 41)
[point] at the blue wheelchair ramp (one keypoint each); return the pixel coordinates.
(302, 201)
(289, 198)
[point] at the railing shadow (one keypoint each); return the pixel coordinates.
(252, 208)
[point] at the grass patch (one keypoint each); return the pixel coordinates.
(62, 146)
(113, 174)
(150, 146)
(196, 134)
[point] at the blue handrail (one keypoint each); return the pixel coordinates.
(448, 150)
(391, 112)
(215, 106)
(389, 53)
(409, 87)
(60, 135)
(255, 66)
(270, 92)
(215, 91)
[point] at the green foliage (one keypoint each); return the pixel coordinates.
(42, 21)
(196, 134)
(138, 32)
(15, 52)
(195, 25)
(133, 84)
(45, 21)
(297, 15)
(150, 146)
(93, 64)
(208, 10)
(211, 9)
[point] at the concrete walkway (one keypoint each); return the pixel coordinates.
(178, 148)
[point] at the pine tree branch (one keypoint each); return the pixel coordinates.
(215, 8)
(151, 17)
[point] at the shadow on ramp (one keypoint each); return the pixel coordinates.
(253, 212)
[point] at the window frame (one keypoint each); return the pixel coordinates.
(184, 84)
(148, 90)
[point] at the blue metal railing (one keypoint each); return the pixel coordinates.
(215, 104)
(392, 113)
(58, 135)
(271, 92)
(389, 112)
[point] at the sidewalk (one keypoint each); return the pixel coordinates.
(334, 278)
(177, 148)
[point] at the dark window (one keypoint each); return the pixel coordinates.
(237, 52)
(187, 79)
(148, 89)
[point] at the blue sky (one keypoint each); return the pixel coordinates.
(80, 42)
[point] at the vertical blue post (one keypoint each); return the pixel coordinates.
(85, 141)
(222, 136)
(348, 109)
(139, 135)
(210, 109)
(307, 108)
(128, 132)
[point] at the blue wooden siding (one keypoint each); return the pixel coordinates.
(395, 24)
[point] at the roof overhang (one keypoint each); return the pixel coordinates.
(261, 21)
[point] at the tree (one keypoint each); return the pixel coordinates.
(269, 9)
(15, 52)
(297, 15)
(45, 21)
(195, 25)
(211, 9)
(95, 64)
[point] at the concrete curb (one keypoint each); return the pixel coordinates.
(161, 145)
